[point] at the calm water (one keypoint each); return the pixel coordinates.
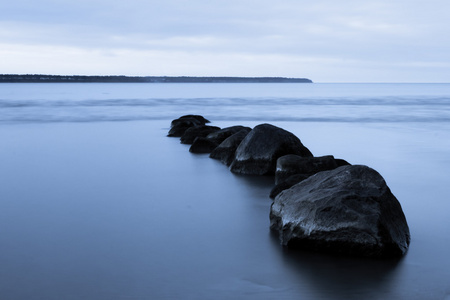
(96, 209)
(221, 102)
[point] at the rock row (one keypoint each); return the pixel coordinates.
(319, 203)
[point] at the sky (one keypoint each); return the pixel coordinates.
(323, 40)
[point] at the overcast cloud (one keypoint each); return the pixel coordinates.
(326, 41)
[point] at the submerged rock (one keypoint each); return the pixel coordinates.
(203, 145)
(347, 210)
(258, 152)
(225, 152)
(197, 131)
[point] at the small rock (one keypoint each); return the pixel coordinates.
(195, 119)
(197, 131)
(202, 145)
(180, 125)
(178, 130)
(224, 133)
(293, 164)
(286, 184)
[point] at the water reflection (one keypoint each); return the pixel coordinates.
(340, 277)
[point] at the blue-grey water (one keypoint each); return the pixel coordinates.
(92, 102)
(97, 203)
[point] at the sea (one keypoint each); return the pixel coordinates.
(96, 202)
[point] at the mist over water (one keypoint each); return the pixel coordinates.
(94, 102)
(96, 209)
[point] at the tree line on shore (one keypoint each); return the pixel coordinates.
(26, 78)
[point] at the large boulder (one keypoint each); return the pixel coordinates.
(197, 131)
(225, 152)
(347, 210)
(258, 152)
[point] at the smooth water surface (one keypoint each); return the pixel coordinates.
(117, 210)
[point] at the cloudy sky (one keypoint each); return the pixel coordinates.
(324, 40)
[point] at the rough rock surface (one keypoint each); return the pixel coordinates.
(290, 164)
(347, 210)
(258, 152)
(225, 152)
(203, 145)
(197, 131)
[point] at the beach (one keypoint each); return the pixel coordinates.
(117, 210)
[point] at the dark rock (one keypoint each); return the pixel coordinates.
(348, 210)
(180, 125)
(212, 140)
(202, 145)
(189, 122)
(292, 169)
(224, 133)
(341, 162)
(286, 184)
(293, 164)
(197, 131)
(179, 129)
(226, 150)
(196, 119)
(258, 152)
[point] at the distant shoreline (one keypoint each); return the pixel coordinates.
(32, 78)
